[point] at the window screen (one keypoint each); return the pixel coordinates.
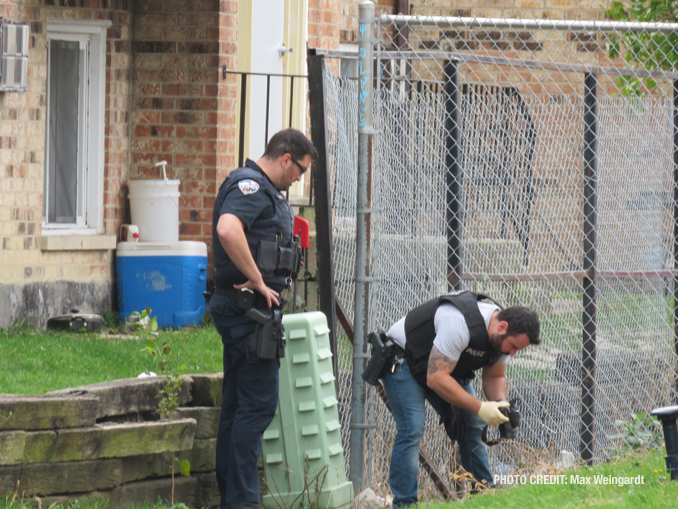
(66, 65)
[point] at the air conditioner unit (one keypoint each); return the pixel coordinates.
(14, 58)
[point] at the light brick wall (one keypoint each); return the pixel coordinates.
(538, 9)
(118, 121)
(349, 17)
(22, 146)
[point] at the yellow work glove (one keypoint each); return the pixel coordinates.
(490, 414)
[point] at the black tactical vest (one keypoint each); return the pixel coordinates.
(274, 229)
(420, 333)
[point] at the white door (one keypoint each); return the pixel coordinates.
(264, 97)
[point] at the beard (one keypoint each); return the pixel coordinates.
(496, 340)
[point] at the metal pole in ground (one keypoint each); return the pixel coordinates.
(453, 174)
(675, 219)
(588, 398)
(362, 279)
(323, 207)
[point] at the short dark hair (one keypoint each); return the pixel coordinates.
(290, 141)
(521, 320)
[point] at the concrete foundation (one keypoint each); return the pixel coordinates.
(35, 303)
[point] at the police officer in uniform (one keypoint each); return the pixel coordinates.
(440, 345)
(255, 257)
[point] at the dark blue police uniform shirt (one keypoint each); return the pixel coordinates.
(248, 202)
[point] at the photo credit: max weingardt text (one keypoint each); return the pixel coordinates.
(568, 479)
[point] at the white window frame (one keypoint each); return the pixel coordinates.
(93, 34)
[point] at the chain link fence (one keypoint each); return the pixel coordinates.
(505, 110)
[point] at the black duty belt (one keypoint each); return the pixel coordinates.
(232, 293)
(227, 292)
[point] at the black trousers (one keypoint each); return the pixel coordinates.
(250, 398)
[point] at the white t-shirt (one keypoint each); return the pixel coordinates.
(452, 334)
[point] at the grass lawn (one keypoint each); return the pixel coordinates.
(33, 362)
(657, 491)
(12, 502)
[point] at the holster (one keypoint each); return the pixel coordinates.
(268, 339)
(383, 356)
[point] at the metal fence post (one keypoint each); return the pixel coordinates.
(323, 205)
(365, 132)
(588, 410)
(520, 162)
(453, 131)
(675, 219)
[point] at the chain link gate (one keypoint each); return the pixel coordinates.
(528, 160)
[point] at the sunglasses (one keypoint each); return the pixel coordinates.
(302, 168)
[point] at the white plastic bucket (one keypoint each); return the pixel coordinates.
(155, 209)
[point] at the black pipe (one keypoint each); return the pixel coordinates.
(243, 109)
(452, 151)
(227, 72)
(268, 105)
(667, 416)
(671, 443)
(588, 411)
(291, 100)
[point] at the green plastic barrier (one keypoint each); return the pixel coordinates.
(302, 451)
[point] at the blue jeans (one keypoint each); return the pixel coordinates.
(407, 400)
(250, 398)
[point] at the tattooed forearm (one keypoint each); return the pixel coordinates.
(440, 362)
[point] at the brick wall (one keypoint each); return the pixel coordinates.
(349, 17)
(118, 124)
(227, 97)
(538, 9)
(175, 100)
(178, 110)
(22, 146)
(324, 23)
(227, 89)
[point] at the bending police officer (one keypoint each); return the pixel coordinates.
(441, 344)
(255, 257)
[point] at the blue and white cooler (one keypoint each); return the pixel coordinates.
(168, 277)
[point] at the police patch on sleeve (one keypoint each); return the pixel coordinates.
(248, 186)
